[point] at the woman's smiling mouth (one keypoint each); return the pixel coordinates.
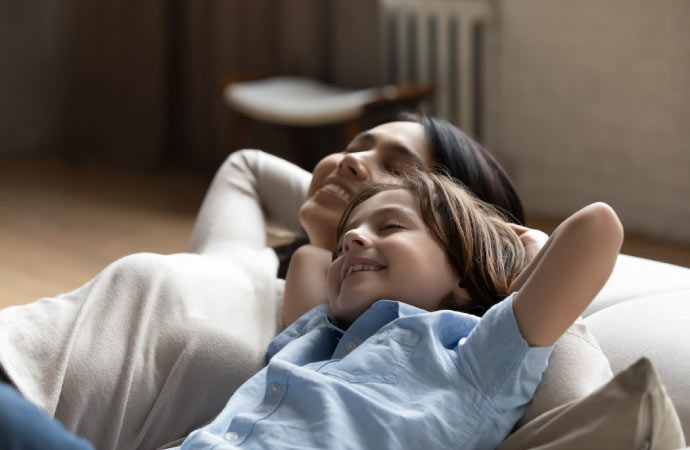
(334, 187)
(337, 191)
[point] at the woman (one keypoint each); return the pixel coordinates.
(154, 345)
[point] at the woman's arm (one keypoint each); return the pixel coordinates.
(567, 273)
(250, 189)
(306, 283)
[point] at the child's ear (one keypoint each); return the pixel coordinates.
(461, 293)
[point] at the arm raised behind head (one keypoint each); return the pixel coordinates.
(250, 189)
(306, 284)
(567, 273)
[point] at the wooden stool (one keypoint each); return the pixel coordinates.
(302, 103)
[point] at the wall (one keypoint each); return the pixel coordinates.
(31, 76)
(594, 104)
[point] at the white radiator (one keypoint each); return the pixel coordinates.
(439, 42)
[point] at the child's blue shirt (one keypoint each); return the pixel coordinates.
(398, 377)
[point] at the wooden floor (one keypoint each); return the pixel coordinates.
(61, 224)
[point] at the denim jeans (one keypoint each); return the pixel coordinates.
(25, 427)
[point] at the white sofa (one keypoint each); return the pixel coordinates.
(644, 310)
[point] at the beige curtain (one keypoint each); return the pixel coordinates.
(116, 81)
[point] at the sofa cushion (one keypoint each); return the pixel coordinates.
(577, 367)
(635, 277)
(655, 327)
(631, 411)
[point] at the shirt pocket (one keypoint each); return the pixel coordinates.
(379, 359)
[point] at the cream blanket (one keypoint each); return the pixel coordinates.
(153, 346)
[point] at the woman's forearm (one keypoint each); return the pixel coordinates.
(250, 189)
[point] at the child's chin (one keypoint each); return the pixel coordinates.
(348, 315)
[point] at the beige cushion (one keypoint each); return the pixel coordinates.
(577, 367)
(634, 277)
(655, 327)
(632, 411)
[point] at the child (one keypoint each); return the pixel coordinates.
(386, 364)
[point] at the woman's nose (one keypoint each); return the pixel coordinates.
(355, 164)
(355, 238)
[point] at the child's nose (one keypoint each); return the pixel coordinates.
(354, 238)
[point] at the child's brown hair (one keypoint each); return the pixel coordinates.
(480, 245)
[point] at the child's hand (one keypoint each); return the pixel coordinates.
(532, 239)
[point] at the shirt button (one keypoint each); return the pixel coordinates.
(382, 336)
(274, 389)
(232, 436)
(350, 346)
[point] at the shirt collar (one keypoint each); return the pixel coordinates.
(373, 319)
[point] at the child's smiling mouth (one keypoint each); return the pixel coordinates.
(361, 268)
(360, 265)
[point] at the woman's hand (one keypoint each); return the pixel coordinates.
(532, 239)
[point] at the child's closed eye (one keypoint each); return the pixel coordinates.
(391, 226)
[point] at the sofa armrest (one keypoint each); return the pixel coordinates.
(635, 277)
(644, 310)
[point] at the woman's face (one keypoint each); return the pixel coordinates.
(372, 157)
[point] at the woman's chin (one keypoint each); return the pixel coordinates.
(322, 206)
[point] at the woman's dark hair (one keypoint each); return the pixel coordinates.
(464, 159)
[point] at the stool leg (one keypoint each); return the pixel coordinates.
(352, 129)
(303, 147)
(237, 131)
